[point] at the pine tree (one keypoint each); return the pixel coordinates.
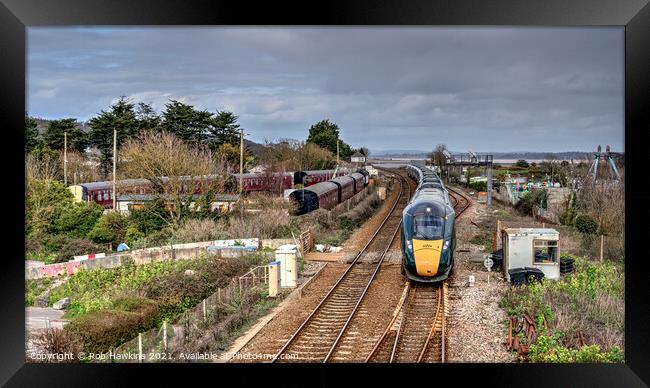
(32, 137)
(224, 129)
(188, 124)
(54, 135)
(121, 117)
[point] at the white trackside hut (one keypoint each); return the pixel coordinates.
(532, 247)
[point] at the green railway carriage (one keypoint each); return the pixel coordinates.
(428, 233)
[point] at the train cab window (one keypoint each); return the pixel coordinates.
(428, 227)
(545, 251)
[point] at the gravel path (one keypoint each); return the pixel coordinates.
(476, 331)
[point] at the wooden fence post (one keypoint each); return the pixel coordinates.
(140, 355)
(205, 312)
(219, 294)
(165, 334)
(602, 237)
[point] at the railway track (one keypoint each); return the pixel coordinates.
(417, 332)
(318, 336)
(461, 201)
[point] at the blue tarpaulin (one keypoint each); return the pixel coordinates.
(123, 247)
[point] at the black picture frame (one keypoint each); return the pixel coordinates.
(16, 15)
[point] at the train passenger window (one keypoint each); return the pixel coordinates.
(545, 251)
(428, 227)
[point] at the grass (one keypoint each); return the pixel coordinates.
(34, 288)
(483, 239)
(589, 302)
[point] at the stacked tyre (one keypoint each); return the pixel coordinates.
(566, 265)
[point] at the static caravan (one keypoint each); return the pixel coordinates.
(531, 248)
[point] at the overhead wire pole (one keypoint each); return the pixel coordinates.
(65, 158)
(114, 168)
(241, 169)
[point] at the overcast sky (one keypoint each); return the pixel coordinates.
(480, 89)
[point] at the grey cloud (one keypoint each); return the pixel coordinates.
(397, 87)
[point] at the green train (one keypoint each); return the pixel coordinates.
(428, 233)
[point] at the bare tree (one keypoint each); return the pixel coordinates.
(176, 170)
(81, 169)
(46, 166)
(438, 157)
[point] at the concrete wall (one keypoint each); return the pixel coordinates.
(149, 255)
(556, 200)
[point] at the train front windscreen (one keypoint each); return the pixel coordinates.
(426, 225)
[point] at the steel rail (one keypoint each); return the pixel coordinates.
(438, 317)
(347, 271)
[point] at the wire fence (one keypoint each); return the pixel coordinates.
(164, 343)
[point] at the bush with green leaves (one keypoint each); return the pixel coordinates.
(111, 228)
(586, 224)
(548, 349)
(478, 186)
(44, 204)
(589, 301)
(76, 247)
(534, 198)
(78, 219)
(152, 217)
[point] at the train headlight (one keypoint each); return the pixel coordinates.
(446, 245)
(409, 246)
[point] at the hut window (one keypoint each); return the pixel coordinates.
(545, 251)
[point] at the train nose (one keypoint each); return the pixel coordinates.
(427, 256)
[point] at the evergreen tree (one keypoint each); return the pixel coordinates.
(188, 124)
(147, 117)
(224, 129)
(54, 135)
(121, 117)
(32, 138)
(326, 134)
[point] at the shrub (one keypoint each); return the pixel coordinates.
(111, 228)
(531, 199)
(547, 349)
(56, 342)
(152, 217)
(272, 223)
(194, 230)
(585, 224)
(478, 186)
(45, 202)
(133, 234)
(75, 247)
(78, 219)
(102, 330)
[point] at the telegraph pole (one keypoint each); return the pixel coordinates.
(241, 161)
(65, 158)
(114, 167)
(337, 152)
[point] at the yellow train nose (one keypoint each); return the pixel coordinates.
(427, 256)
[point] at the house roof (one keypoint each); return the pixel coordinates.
(149, 197)
(358, 155)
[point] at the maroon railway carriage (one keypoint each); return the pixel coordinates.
(323, 195)
(346, 187)
(316, 176)
(359, 181)
(264, 182)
